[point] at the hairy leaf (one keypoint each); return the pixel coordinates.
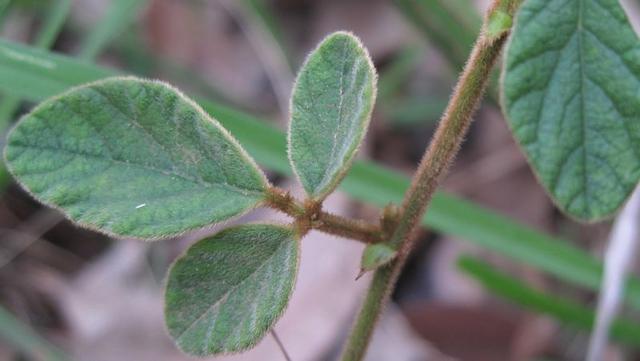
(330, 111)
(132, 158)
(227, 291)
(570, 92)
(42, 74)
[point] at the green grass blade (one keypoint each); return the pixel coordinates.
(451, 25)
(398, 72)
(42, 74)
(563, 310)
(56, 17)
(8, 107)
(23, 339)
(35, 74)
(5, 5)
(120, 14)
(410, 110)
(264, 16)
(141, 61)
(415, 111)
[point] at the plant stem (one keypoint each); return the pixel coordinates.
(323, 221)
(348, 228)
(442, 150)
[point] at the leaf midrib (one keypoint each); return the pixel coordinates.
(134, 119)
(334, 162)
(164, 172)
(326, 177)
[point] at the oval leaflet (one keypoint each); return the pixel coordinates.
(132, 158)
(226, 292)
(331, 107)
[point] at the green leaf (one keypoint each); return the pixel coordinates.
(226, 292)
(330, 111)
(132, 158)
(42, 74)
(570, 93)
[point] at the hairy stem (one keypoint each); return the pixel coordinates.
(314, 218)
(435, 162)
(348, 228)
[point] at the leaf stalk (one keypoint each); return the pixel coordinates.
(309, 215)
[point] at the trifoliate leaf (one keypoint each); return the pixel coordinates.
(571, 93)
(226, 292)
(330, 111)
(132, 158)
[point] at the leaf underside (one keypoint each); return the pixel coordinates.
(330, 111)
(227, 291)
(132, 158)
(571, 93)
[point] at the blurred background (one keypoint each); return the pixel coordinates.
(499, 273)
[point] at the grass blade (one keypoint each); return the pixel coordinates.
(398, 72)
(451, 25)
(22, 338)
(42, 74)
(415, 111)
(267, 20)
(53, 23)
(141, 61)
(5, 5)
(119, 15)
(563, 310)
(56, 16)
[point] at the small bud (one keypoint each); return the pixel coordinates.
(376, 256)
(389, 220)
(499, 22)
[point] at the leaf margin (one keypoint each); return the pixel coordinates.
(199, 110)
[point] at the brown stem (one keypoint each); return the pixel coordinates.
(348, 228)
(441, 152)
(310, 216)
